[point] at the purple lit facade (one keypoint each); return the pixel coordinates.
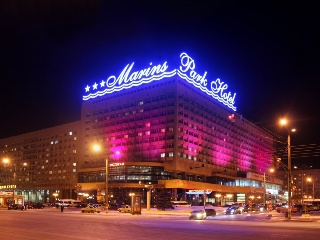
(170, 134)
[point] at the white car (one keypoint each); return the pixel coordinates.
(125, 209)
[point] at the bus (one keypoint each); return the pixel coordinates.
(315, 203)
(68, 203)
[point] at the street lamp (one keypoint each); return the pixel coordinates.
(284, 122)
(309, 179)
(7, 161)
(97, 148)
(55, 196)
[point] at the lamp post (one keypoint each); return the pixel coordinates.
(265, 188)
(55, 196)
(283, 122)
(97, 148)
(309, 179)
(6, 161)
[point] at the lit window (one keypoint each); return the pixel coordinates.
(70, 133)
(126, 136)
(170, 154)
(50, 172)
(147, 132)
(74, 170)
(163, 155)
(75, 138)
(163, 130)
(141, 103)
(74, 164)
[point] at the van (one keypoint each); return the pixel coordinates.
(180, 204)
(69, 203)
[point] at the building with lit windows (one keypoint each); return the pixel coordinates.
(172, 129)
(40, 164)
(163, 126)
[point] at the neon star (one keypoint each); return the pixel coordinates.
(87, 88)
(95, 85)
(102, 83)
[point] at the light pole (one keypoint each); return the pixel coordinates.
(97, 148)
(309, 179)
(6, 161)
(265, 189)
(283, 122)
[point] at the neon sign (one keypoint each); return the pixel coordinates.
(128, 78)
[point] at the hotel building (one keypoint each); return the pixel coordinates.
(156, 129)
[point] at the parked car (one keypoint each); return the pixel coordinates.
(202, 214)
(90, 209)
(114, 206)
(304, 207)
(316, 207)
(233, 210)
(125, 209)
(284, 209)
(16, 207)
(38, 205)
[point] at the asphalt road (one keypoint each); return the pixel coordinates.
(71, 224)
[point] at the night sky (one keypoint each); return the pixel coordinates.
(268, 53)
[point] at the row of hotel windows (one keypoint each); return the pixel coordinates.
(25, 145)
(162, 97)
(131, 104)
(242, 137)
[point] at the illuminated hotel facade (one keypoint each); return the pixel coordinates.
(177, 131)
(162, 128)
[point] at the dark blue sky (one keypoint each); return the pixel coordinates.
(268, 53)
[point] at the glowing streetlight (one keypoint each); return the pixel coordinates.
(309, 179)
(97, 148)
(7, 161)
(55, 195)
(284, 122)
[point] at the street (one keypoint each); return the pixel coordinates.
(50, 223)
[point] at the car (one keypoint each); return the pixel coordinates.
(90, 209)
(304, 207)
(125, 209)
(114, 206)
(202, 214)
(16, 207)
(233, 210)
(38, 205)
(284, 209)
